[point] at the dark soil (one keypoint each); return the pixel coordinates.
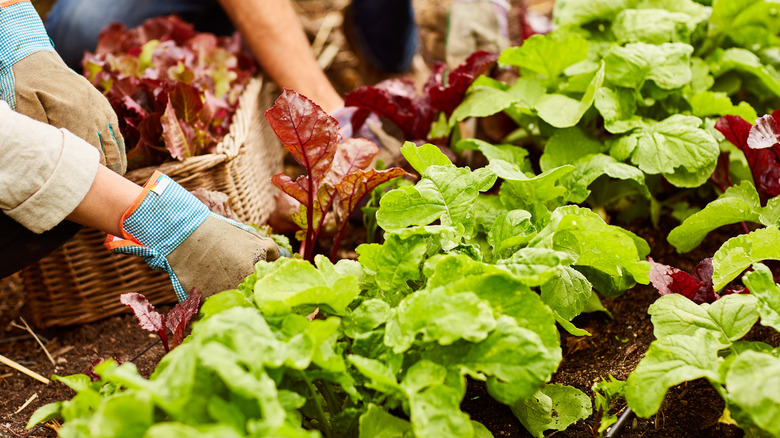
(614, 347)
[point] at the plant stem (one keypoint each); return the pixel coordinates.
(321, 419)
(337, 241)
(330, 398)
(745, 227)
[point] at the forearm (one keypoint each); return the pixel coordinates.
(273, 32)
(46, 172)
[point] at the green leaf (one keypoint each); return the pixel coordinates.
(422, 157)
(482, 102)
(534, 266)
(591, 167)
(553, 407)
(653, 26)
(179, 430)
(510, 230)
(739, 203)
(762, 285)
(618, 107)
(567, 293)
(594, 304)
(566, 146)
(369, 315)
(676, 147)
(440, 317)
(727, 319)
(562, 111)
(546, 55)
(713, 104)
(435, 412)
(45, 413)
(378, 423)
(444, 193)
(670, 361)
(276, 294)
(380, 375)
(579, 12)
(752, 383)
(744, 61)
(396, 261)
(738, 253)
(667, 64)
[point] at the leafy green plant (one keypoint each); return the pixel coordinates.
(632, 105)
(704, 341)
(175, 321)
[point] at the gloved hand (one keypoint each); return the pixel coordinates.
(36, 82)
(476, 25)
(175, 232)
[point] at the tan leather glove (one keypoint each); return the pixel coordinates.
(175, 232)
(476, 25)
(48, 91)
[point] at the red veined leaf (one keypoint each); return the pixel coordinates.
(351, 155)
(178, 317)
(697, 287)
(764, 134)
(308, 133)
(396, 100)
(356, 185)
(148, 318)
(447, 97)
(735, 129)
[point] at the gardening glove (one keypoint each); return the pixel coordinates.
(175, 232)
(476, 25)
(36, 82)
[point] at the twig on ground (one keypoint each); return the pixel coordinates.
(32, 333)
(27, 403)
(14, 324)
(22, 369)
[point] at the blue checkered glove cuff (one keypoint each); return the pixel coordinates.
(21, 34)
(166, 215)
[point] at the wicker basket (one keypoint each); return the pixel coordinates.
(81, 281)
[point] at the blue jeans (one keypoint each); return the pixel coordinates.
(385, 29)
(74, 25)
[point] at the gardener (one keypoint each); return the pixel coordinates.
(52, 179)
(384, 30)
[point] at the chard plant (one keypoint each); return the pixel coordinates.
(338, 173)
(175, 321)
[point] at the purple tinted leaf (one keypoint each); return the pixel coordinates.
(396, 100)
(356, 185)
(308, 133)
(669, 280)
(178, 317)
(721, 176)
(447, 97)
(185, 100)
(148, 318)
(90, 372)
(764, 134)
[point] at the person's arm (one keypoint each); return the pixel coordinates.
(274, 34)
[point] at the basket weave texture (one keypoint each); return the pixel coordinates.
(81, 281)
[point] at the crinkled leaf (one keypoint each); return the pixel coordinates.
(675, 147)
(424, 156)
(727, 320)
(710, 103)
(618, 107)
(579, 12)
(534, 266)
(395, 262)
(738, 253)
(752, 383)
(546, 55)
(439, 316)
(670, 361)
(653, 26)
(667, 64)
(567, 293)
(553, 407)
(179, 137)
(566, 146)
(510, 230)
(762, 286)
(275, 293)
(377, 422)
(435, 412)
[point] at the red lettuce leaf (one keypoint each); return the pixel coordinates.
(447, 95)
(90, 372)
(178, 317)
(764, 163)
(396, 100)
(148, 318)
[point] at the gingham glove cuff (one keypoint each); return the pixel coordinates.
(161, 218)
(21, 34)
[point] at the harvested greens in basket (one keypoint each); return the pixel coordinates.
(174, 89)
